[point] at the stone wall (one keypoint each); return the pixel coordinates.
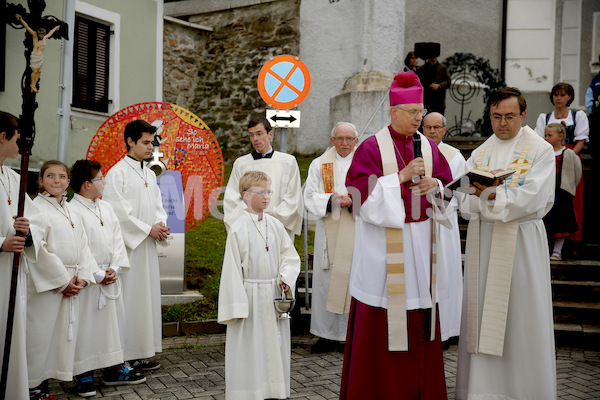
(214, 74)
(182, 54)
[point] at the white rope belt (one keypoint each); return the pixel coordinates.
(71, 305)
(259, 280)
(104, 294)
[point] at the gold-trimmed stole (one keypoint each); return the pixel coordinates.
(339, 232)
(489, 338)
(396, 285)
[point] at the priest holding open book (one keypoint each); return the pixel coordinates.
(507, 338)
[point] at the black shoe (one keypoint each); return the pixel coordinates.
(121, 375)
(144, 365)
(85, 384)
(41, 392)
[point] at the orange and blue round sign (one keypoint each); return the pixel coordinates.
(284, 82)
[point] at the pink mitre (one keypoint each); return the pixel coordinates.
(406, 89)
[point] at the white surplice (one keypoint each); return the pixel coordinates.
(449, 244)
(17, 381)
(384, 208)
(527, 367)
(138, 207)
(52, 319)
(257, 348)
(322, 322)
(286, 198)
(101, 335)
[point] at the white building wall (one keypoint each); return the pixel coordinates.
(571, 45)
(530, 44)
(337, 41)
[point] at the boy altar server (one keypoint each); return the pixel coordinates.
(260, 260)
(100, 339)
(11, 244)
(132, 190)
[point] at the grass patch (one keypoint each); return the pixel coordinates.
(204, 250)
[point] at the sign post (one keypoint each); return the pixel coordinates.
(284, 83)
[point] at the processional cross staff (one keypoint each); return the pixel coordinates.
(17, 17)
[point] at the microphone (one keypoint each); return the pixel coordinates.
(417, 151)
(417, 145)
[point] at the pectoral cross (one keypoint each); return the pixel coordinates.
(520, 166)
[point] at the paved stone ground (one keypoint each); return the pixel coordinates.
(193, 368)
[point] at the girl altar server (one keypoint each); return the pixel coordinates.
(64, 267)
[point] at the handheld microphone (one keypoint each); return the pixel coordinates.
(417, 151)
(417, 145)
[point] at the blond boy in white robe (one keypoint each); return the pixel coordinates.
(260, 262)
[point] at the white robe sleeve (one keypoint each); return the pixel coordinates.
(119, 257)
(160, 215)
(233, 205)
(87, 263)
(48, 272)
(582, 127)
(384, 207)
(536, 193)
(289, 210)
(135, 231)
(233, 300)
(315, 200)
(458, 166)
(289, 262)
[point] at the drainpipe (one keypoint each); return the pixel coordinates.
(503, 44)
(64, 111)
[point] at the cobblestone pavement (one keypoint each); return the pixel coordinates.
(193, 368)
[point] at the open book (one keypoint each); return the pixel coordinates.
(482, 177)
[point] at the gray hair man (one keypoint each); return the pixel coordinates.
(326, 197)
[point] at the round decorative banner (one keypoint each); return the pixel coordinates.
(284, 82)
(186, 143)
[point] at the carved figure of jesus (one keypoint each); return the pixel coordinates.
(37, 54)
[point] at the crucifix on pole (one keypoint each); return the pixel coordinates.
(39, 28)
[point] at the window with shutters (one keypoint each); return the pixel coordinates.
(91, 65)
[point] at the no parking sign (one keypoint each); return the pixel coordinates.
(284, 82)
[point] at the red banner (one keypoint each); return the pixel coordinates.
(188, 145)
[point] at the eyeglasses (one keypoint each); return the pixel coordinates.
(263, 193)
(436, 127)
(414, 112)
(344, 139)
(97, 180)
(508, 118)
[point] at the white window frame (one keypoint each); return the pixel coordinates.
(113, 20)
